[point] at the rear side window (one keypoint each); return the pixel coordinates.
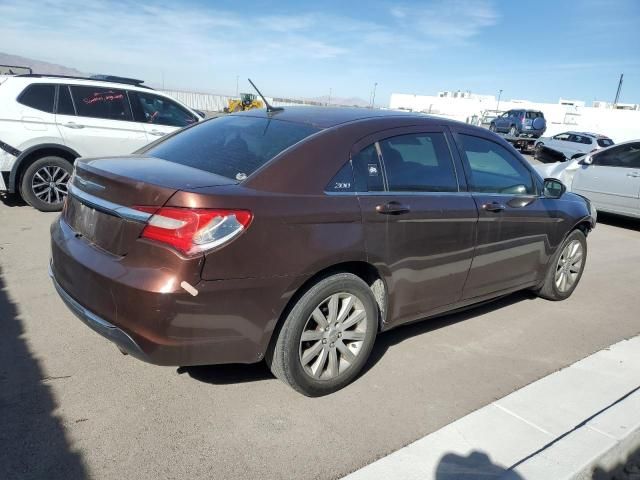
(99, 102)
(418, 163)
(149, 108)
(343, 180)
(38, 96)
(367, 170)
(493, 169)
(605, 142)
(65, 105)
(231, 146)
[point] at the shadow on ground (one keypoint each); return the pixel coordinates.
(619, 221)
(239, 373)
(628, 469)
(12, 200)
(32, 438)
(474, 466)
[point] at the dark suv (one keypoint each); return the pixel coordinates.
(297, 236)
(529, 123)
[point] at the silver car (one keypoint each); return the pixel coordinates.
(571, 144)
(610, 177)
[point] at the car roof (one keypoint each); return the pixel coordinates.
(587, 134)
(327, 117)
(69, 80)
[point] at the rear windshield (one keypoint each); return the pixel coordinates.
(605, 142)
(534, 114)
(231, 146)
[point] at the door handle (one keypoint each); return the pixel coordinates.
(393, 208)
(633, 174)
(73, 125)
(493, 207)
(157, 133)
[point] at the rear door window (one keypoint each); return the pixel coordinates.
(39, 96)
(493, 169)
(418, 162)
(154, 109)
(100, 102)
(231, 146)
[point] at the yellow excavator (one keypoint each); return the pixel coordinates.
(247, 101)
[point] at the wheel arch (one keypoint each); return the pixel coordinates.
(31, 154)
(364, 270)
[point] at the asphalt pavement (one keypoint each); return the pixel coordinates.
(71, 406)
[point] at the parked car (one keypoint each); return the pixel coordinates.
(296, 236)
(609, 177)
(47, 122)
(530, 123)
(569, 145)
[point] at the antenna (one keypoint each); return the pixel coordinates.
(270, 109)
(615, 102)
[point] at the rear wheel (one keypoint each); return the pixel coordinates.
(538, 150)
(44, 183)
(513, 131)
(492, 127)
(327, 336)
(565, 268)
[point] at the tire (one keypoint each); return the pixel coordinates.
(550, 288)
(333, 368)
(537, 149)
(492, 128)
(513, 131)
(44, 183)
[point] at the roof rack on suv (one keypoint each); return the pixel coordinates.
(98, 78)
(14, 70)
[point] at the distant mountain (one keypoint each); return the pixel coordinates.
(349, 102)
(37, 66)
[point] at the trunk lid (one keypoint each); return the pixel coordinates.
(105, 190)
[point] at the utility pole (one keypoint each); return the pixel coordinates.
(373, 95)
(237, 85)
(499, 95)
(615, 102)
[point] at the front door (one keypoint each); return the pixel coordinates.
(97, 121)
(158, 114)
(419, 226)
(612, 181)
(515, 227)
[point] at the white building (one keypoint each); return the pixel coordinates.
(621, 123)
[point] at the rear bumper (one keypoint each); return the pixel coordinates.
(98, 324)
(136, 301)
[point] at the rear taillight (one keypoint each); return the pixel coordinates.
(194, 230)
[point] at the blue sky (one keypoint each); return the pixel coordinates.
(540, 50)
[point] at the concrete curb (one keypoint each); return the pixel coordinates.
(563, 426)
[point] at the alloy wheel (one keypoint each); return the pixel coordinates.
(49, 184)
(333, 336)
(569, 266)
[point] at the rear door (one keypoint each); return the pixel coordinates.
(515, 226)
(35, 105)
(99, 121)
(159, 115)
(419, 225)
(612, 181)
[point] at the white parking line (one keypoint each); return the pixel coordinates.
(559, 427)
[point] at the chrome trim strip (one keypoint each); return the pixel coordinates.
(108, 207)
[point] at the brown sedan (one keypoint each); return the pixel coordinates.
(296, 236)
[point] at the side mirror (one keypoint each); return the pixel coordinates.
(553, 188)
(586, 160)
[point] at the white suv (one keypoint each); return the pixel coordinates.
(46, 122)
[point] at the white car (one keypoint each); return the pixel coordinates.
(570, 145)
(47, 122)
(609, 178)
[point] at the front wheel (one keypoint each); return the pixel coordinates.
(327, 336)
(565, 268)
(44, 183)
